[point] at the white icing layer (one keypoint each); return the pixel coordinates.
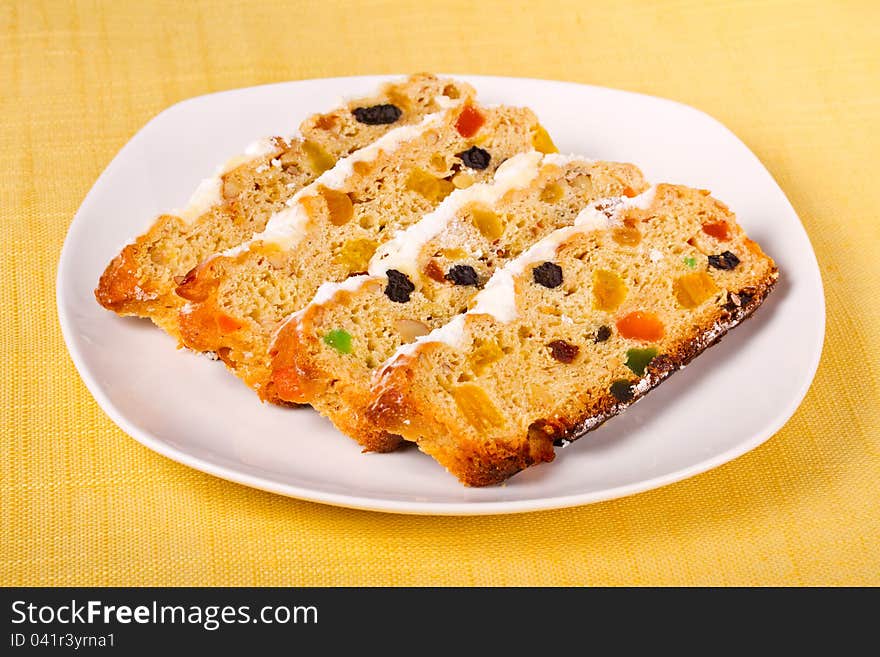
(450, 333)
(260, 147)
(326, 291)
(288, 227)
(598, 214)
(561, 160)
(210, 191)
(444, 102)
(402, 252)
(498, 298)
(208, 194)
(336, 177)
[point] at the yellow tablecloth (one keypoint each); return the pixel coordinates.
(82, 503)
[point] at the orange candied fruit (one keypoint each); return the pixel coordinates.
(469, 121)
(289, 385)
(228, 324)
(339, 206)
(719, 230)
(640, 325)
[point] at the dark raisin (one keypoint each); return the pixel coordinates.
(475, 158)
(603, 333)
(563, 351)
(548, 274)
(463, 275)
(737, 301)
(622, 390)
(377, 114)
(724, 260)
(399, 286)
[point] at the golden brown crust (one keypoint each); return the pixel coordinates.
(118, 285)
(662, 367)
(338, 384)
(395, 408)
(140, 280)
(299, 378)
(236, 302)
(198, 322)
(484, 464)
(291, 381)
(432, 396)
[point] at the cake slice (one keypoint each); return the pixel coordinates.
(324, 354)
(331, 228)
(238, 200)
(574, 330)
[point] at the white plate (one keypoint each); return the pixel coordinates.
(192, 410)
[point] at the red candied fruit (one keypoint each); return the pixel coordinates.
(719, 230)
(469, 121)
(640, 325)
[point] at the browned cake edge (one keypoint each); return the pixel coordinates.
(485, 468)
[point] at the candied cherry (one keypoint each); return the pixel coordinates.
(718, 229)
(469, 121)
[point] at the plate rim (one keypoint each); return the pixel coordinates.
(465, 508)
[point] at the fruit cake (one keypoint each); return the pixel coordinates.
(325, 353)
(570, 333)
(330, 229)
(235, 203)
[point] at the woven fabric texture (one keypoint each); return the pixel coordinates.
(83, 504)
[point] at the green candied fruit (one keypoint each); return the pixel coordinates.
(340, 340)
(691, 262)
(637, 359)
